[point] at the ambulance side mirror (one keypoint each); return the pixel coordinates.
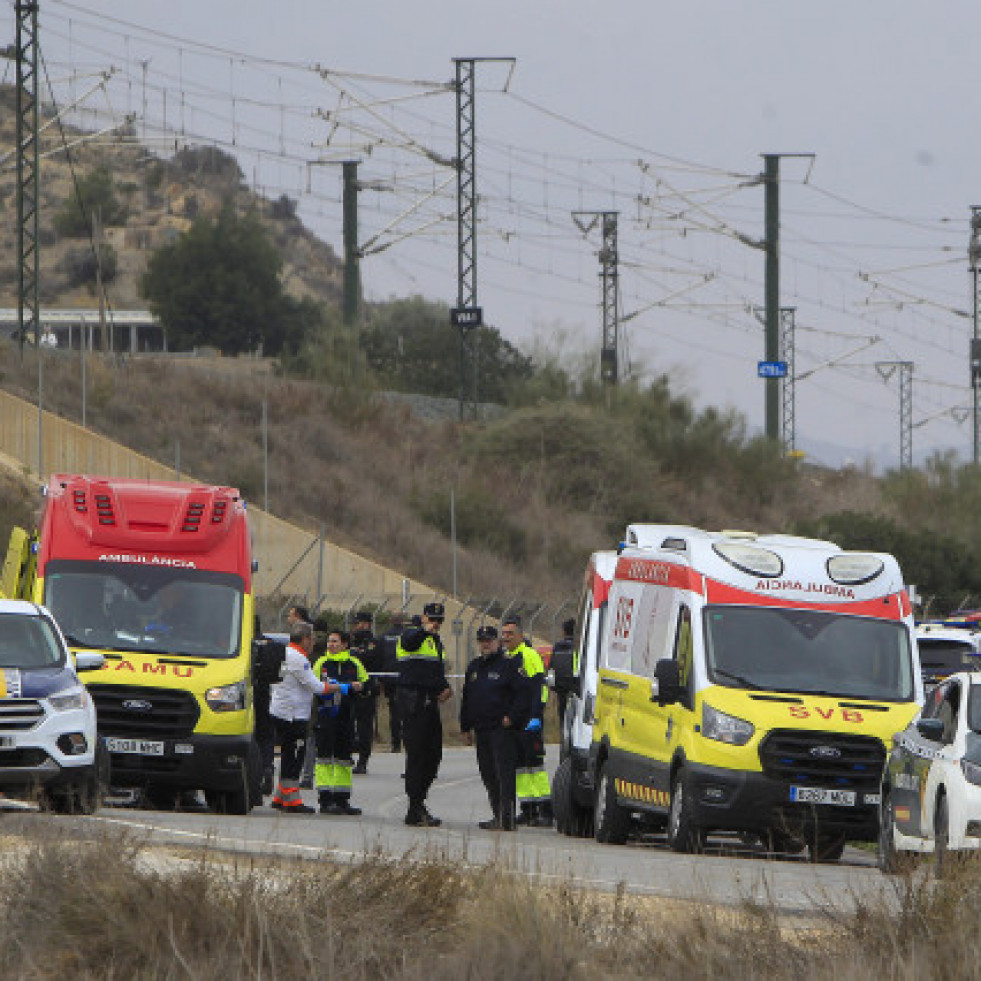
(666, 683)
(932, 729)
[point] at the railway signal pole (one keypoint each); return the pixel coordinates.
(586, 221)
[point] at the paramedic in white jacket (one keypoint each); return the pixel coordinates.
(289, 707)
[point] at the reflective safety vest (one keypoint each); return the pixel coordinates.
(428, 651)
(532, 663)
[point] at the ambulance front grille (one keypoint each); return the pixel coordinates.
(832, 760)
(144, 713)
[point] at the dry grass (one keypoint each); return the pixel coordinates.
(109, 909)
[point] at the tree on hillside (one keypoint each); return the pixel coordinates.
(219, 285)
(95, 194)
(411, 345)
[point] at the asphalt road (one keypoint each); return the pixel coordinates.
(722, 874)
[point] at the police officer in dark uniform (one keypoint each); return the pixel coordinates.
(563, 667)
(422, 685)
(369, 653)
(267, 663)
(494, 709)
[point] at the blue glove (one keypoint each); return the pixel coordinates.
(534, 726)
(345, 688)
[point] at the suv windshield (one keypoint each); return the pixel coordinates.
(130, 607)
(28, 642)
(809, 652)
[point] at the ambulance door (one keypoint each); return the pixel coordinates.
(614, 667)
(643, 723)
(673, 720)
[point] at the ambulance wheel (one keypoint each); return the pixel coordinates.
(887, 855)
(826, 848)
(611, 823)
(571, 818)
(683, 834)
(237, 801)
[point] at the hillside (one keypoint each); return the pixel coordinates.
(158, 199)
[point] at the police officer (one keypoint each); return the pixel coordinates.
(368, 652)
(494, 709)
(563, 667)
(334, 726)
(422, 685)
(267, 663)
(533, 788)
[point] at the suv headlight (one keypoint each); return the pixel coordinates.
(67, 700)
(226, 698)
(725, 728)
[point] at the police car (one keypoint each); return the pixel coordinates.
(48, 742)
(931, 785)
(947, 646)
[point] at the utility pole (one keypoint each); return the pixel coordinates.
(467, 316)
(886, 369)
(586, 221)
(771, 289)
(352, 286)
(974, 257)
(28, 198)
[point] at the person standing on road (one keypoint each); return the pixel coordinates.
(422, 685)
(495, 706)
(267, 664)
(532, 785)
(289, 707)
(390, 666)
(368, 652)
(334, 724)
(563, 667)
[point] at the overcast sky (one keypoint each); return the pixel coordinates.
(657, 110)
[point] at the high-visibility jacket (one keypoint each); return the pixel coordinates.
(420, 659)
(534, 670)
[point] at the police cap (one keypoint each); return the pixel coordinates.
(487, 632)
(435, 611)
(363, 616)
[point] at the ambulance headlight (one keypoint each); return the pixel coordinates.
(972, 772)
(226, 698)
(725, 728)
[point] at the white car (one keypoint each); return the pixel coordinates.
(945, 649)
(49, 748)
(931, 785)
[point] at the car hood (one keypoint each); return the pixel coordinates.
(35, 682)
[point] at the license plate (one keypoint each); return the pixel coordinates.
(8, 742)
(818, 795)
(139, 747)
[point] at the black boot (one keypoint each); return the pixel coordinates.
(267, 781)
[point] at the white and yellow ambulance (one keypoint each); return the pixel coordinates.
(751, 684)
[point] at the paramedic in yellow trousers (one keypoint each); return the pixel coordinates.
(533, 789)
(334, 724)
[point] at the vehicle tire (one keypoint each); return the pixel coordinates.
(237, 801)
(888, 857)
(254, 767)
(611, 822)
(941, 834)
(571, 818)
(683, 834)
(826, 848)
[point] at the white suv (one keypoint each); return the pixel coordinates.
(48, 743)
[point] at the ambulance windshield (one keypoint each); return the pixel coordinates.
(134, 607)
(809, 652)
